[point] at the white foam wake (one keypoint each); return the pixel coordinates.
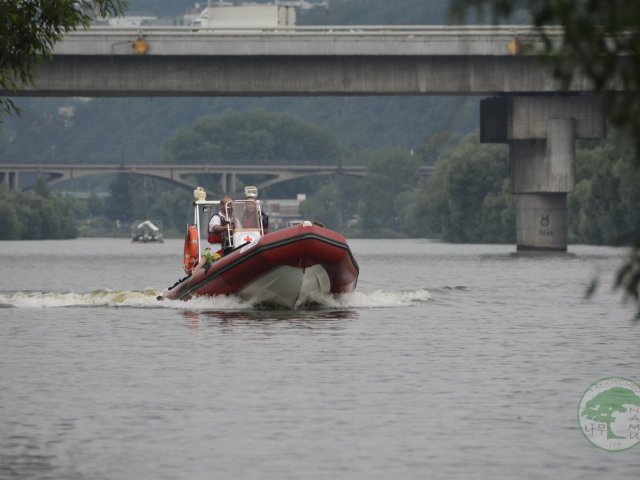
(97, 298)
(148, 299)
(381, 299)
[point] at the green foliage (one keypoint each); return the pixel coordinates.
(390, 173)
(121, 202)
(252, 138)
(30, 216)
(30, 28)
(9, 223)
(95, 205)
(497, 216)
(628, 277)
(467, 198)
(173, 207)
(324, 207)
(41, 188)
(605, 207)
(375, 205)
(437, 145)
(136, 197)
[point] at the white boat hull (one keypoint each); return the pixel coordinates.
(288, 286)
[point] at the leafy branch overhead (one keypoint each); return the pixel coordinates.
(29, 30)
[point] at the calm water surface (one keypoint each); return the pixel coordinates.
(449, 361)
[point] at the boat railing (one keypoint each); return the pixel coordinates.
(202, 207)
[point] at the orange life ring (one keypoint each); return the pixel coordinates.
(190, 249)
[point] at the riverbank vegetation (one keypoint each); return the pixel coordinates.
(467, 198)
(37, 215)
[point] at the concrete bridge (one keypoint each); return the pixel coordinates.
(527, 107)
(299, 61)
(183, 175)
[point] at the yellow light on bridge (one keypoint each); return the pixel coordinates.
(140, 46)
(514, 46)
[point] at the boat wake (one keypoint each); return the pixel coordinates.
(148, 299)
(96, 298)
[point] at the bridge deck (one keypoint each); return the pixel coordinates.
(349, 60)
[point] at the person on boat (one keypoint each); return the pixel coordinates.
(208, 257)
(249, 217)
(265, 222)
(218, 232)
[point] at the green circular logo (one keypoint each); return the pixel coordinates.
(609, 414)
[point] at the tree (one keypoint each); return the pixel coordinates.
(605, 205)
(467, 197)
(41, 188)
(30, 28)
(601, 40)
(120, 205)
(95, 205)
(9, 224)
(164, 208)
(602, 407)
(31, 216)
(324, 206)
(252, 138)
(390, 173)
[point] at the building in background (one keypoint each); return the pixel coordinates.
(284, 212)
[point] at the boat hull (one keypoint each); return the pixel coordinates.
(288, 268)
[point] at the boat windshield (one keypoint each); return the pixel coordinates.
(247, 221)
(246, 215)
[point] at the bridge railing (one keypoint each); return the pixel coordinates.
(396, 40)
(334, 30)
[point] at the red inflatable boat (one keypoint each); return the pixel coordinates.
(289, 267)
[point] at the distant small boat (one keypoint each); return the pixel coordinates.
(289, 268)
(146, 232)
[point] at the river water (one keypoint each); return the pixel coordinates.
(449, 361)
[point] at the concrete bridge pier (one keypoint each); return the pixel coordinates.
(541, 132)
(542, 173)
(228, 182)
(11, 179)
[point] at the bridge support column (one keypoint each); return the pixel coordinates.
(223, 182)
(541, 133)
(11, 179)
(228, 182)
(233, 183)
